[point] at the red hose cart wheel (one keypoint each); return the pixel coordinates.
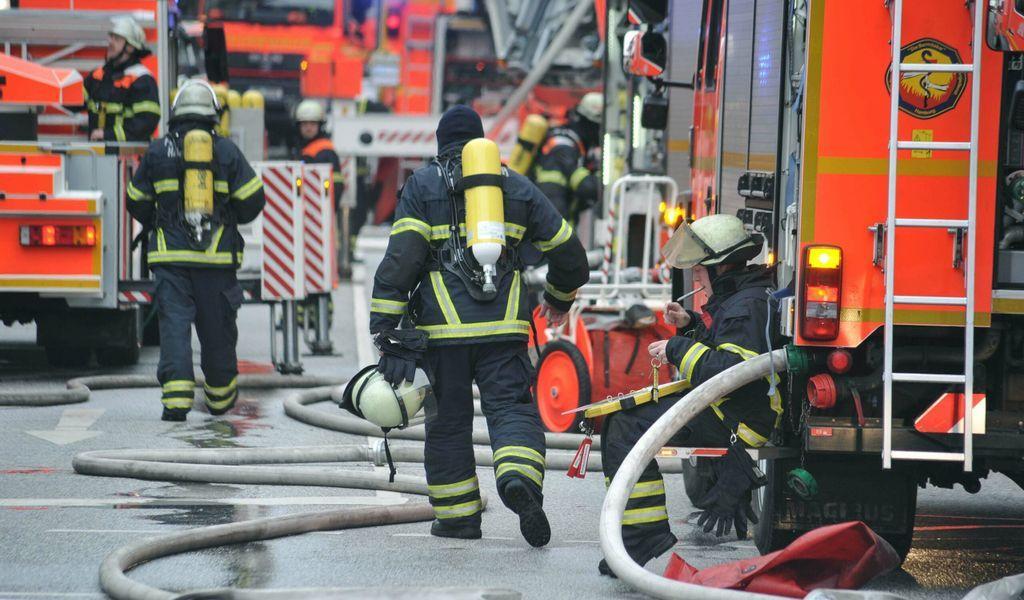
(563, 383)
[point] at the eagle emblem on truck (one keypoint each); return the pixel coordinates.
(928, 95)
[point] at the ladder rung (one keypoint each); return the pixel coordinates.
(928, 378)
(939, 300)
(920, 455)
(934, 68)
(906, 145)
(937, 223)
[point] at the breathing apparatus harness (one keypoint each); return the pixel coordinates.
(453, 255)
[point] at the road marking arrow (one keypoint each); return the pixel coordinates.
(73, 426)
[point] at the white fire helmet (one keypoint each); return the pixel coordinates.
(309, 110)
(591, 106)
(369, 396)
(711, 240)
(130, 30)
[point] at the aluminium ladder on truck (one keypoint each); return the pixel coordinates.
(960, 226)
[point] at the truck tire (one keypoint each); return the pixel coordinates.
(113, 356)
(767, 537)
(854, 480)
(697, 478)
(68, 357)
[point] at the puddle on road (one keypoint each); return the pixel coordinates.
(227, 430)
(964, 552)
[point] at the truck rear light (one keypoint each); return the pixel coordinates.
(821, 302)
(58, 235)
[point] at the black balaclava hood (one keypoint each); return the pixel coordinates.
(459, 124)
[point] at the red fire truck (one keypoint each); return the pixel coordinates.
(879, 147)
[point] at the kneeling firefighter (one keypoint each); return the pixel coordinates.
(191, 191)
(453, 247)
(730, 329)
(560, 171)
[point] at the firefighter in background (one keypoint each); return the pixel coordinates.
(468, 320)
(191, 191)
(730, 330)
(367, 190)
(121, 96)
(310, 120)
(561, 170)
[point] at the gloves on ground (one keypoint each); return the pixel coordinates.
(727, 503)
(400, 350)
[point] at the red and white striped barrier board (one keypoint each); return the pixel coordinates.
(134, 297)
(946, 415)
(282, 270)
(408, 136)
(318, 228)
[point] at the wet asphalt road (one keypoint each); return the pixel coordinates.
(56, 526)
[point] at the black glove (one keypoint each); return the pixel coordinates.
(400, 350)
(727, 503)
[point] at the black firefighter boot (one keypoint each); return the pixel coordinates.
(174, 414)
(533, 523)
(469, 531)
(649, 550)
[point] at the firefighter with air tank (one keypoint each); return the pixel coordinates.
(449, 298)
(557, 159)
(191, 191)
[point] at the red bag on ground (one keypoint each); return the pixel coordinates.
(843, 556)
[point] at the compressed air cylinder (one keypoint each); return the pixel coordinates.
(198, 148)
(252, 99)
(234, 99)
(531, 135)
(485, 205)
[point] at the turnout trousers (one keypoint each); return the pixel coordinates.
(503, 372)
(208, 298)
(645, 528)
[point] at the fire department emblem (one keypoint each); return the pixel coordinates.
(927, 95)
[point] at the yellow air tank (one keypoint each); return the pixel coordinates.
(198, 148)
(531, 136)
(485, 205)
(234, 99)
(252, 99)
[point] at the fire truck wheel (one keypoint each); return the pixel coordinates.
(697, 478)
(150, 327)
(118, 357)
(563, 383)
(68, 356)
(767, 537)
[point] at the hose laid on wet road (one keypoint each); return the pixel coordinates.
(248, 466)
(78, 389)
(696, 400)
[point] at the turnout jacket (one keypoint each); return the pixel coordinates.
(559, 173)
(123, 102)
(321, 150)
(440, 303)
(732, 330)
(155, 199)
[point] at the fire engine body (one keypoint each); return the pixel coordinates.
(66, 258)
(790, 128)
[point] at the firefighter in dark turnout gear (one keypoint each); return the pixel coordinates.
(560, 170)
(317, 149)
(193, 251)
(730, 329)
(121, 96)
(473, 340)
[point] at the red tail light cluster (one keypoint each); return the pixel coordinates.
(821, 298)
(58, 235)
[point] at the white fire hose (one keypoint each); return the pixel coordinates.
(719, 386)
